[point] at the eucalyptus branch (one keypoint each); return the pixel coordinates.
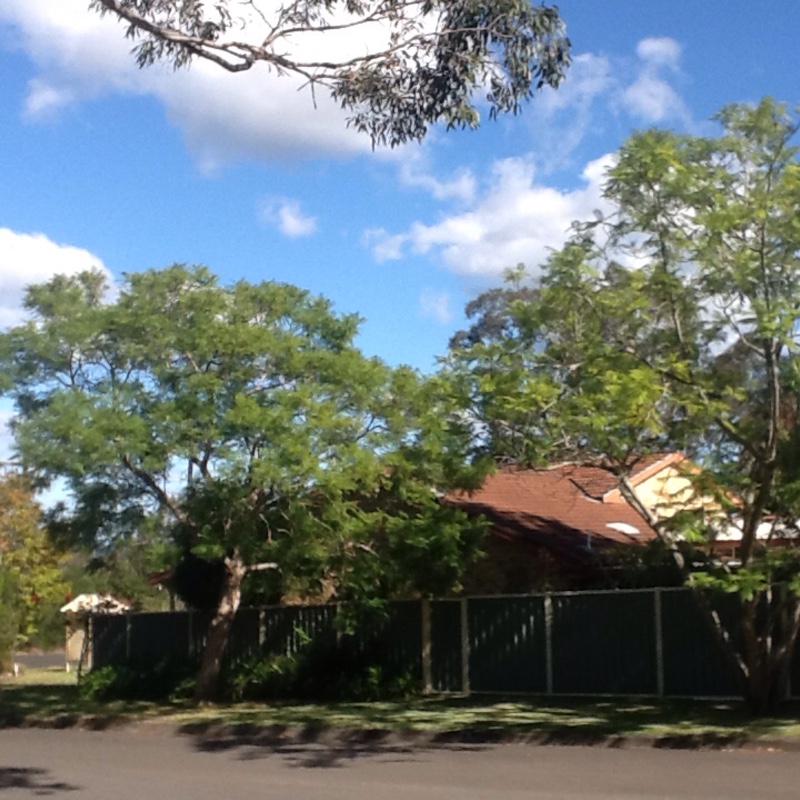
(433, 57)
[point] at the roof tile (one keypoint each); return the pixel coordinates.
(559, 507)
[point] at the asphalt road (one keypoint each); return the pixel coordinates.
(157, 761)
(40, 660)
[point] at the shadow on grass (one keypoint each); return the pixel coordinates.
(37, 781)
(314, 746)
(330, 735)
(320, 736)
(55, 706)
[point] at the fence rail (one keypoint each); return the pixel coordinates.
(650, 642)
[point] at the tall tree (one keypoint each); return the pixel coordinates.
(244, 419)
(33, 579)
(673, 324)
(427, 60)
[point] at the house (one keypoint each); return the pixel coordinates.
(665, 487)
(566, 526)
(556, 528)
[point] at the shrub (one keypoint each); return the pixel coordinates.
(320, 671)
(166, 679)
(97, 684)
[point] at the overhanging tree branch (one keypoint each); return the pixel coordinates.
(428, 61)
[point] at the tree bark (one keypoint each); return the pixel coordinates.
(770, 649)
(207, 687)
(761, 669)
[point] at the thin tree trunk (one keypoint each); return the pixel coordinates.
(207, 687)
(768, 686)
(736, 664)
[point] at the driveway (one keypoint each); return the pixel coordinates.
(158, 761)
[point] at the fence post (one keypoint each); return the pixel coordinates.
(465, 687)
(659, 630)
(427, 672)
(548, 641)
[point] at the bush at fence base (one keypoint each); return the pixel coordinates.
(319, 673)
(166, 679)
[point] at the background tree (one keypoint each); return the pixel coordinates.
(431, 58)
(31, 585)
(673, 324)
(246, 422)
(10, 616)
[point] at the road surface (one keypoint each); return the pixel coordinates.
(40, 660)
(160, 762)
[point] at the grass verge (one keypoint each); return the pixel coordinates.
(50, 697)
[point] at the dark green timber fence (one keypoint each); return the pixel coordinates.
(652, 642)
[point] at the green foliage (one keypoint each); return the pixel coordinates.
(321, 671)
(438, 53)
(236, 419)
(648, 566)
(50, 630)
(10, 616)
(28, 558)
(165, 679)
(97, 684)
(671, 323)
(779, 567)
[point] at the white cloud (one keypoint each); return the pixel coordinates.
(518, 221)
(30, 258)
(385, 246)
(45, 100)
(597, 85)
(436, 305)
(650, 97)
(222, 116)
(653, 99)
(565, 117)
(286, 216)
(660, 51)
(416, 173)
(589, 77)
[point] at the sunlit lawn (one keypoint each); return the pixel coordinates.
(51, 697)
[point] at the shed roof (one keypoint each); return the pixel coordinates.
(95, 603)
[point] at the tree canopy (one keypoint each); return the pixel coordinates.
(30, 573)
(429, 60)
(672, 323)
(243, 420)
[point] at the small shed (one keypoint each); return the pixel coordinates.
(77, 612)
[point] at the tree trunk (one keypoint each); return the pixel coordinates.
(762, 661)
(769, 630)
(207, 687)
(769, 646)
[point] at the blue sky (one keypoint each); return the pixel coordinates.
(105, 165)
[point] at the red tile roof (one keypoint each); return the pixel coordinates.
(558, 507)
(601, 484)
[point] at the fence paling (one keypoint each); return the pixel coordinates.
(659, 641)
(636, 642)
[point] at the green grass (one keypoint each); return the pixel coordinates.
(513, 718)
(50, 697)
(49, 676)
